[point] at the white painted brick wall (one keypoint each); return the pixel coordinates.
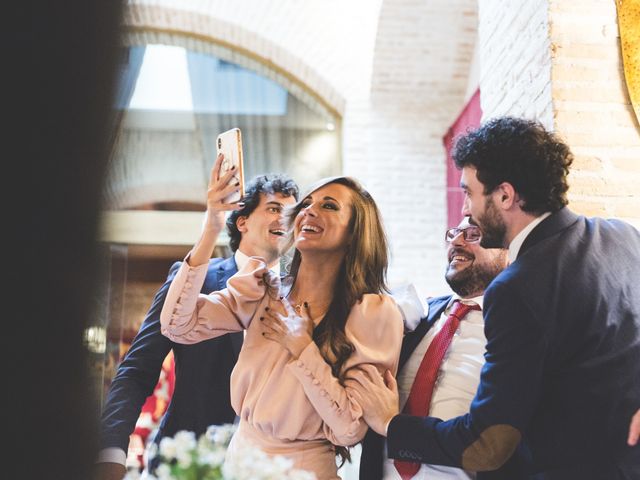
(393, 137)
(515, 59)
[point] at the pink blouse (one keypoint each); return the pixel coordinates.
(278, 395)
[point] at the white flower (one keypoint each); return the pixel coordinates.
(213, 458)
(184, 459)
(185, 441)
(301, 475)
(221, 434)
(177, 455)
(163, 472)
(168, 448)
(282, 463)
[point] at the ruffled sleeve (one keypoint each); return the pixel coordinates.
(190, 317)
(375, 329)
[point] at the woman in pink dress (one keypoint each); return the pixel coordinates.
(303, 332)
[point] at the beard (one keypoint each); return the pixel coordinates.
(473, 280)
(494, 230)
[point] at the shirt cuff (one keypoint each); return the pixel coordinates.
(112, 455)
(410, 305)
(386, 427)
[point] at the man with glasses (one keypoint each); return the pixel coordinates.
(469, 271)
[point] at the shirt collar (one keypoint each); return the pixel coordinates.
(518, 240)
(242, 259)
(478, 300)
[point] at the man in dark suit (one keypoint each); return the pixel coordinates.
(562, 325)
(201, 396)
(469, 271)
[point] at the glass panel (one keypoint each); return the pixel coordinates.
(182, 100)
(103, 337)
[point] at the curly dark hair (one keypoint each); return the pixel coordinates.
(267, 184)
(520, 152)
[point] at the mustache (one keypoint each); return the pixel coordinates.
(461, 251)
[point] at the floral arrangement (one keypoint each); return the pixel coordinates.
(183, 457)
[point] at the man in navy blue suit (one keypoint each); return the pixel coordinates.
(201, 396)
(562, 325)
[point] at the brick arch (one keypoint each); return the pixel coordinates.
(247, 48)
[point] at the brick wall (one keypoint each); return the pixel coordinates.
(515, 59)
(592, 109)
(559, 61)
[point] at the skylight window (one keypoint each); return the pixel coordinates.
(163, 82)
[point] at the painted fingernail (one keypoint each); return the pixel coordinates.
(233, 168)
(261, 318)
(306, 305)
(237, 184)
(266, 308)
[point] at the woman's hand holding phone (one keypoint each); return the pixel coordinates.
(224, 193)
(218, 190)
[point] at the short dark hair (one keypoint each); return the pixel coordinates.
(267, 184)
(521, 152)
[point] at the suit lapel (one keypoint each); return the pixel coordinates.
(412, 339)
(224, 271)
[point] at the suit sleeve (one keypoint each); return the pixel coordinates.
(190, 317)
(486, 437)
(374, 327)
(137, 375)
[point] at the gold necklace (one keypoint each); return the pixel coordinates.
(322, 307)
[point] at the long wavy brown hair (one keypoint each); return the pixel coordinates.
(363, 270)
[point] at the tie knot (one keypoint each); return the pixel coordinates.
(459, 309)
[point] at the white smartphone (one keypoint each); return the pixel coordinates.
(229, 143)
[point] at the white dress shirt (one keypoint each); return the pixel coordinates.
(518, 240)
(456, 385)
(242, 259)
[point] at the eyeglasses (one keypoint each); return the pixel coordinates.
(470, 234)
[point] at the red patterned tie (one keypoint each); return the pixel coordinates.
(420, 396)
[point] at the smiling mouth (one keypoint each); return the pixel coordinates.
(310, 229)
(280, 232)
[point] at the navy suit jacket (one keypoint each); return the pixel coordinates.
(562, 364)
(371, 460)
(201, 395)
